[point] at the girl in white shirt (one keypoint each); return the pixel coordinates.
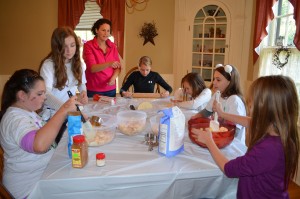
(24, 137)
(193, 87)
(63, 69)
(227, 81)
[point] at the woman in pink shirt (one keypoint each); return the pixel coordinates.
(102, 61)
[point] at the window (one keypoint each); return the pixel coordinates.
(281, 32)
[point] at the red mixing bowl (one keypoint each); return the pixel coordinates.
(222, 139)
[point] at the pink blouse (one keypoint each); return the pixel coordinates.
(92, 55)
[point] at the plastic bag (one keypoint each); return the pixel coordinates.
(171, 132)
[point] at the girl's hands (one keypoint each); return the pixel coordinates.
(127, 94)
(202, 135)
(217, 107)
(83, 98)
(70, 105)
(164, 94)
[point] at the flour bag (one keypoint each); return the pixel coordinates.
(171, 132)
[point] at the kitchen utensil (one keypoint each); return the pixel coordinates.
(87, 126)
(214, 124)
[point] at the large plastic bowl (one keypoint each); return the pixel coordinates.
(154, 123)
(160, 104)
(222, 139)
(103, 134)
(131, 122)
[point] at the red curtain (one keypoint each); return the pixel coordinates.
(69, 12)
(114, 10)
(264, 15)
(296, 4)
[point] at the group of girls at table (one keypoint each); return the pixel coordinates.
(27, 138)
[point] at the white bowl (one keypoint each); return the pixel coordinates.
(131, 122)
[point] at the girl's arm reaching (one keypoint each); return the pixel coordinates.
(238, 119)
(205, 136)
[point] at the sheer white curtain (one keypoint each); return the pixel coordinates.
(291, 69)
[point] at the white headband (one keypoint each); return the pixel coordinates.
(227, 68)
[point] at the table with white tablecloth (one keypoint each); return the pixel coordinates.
(131, 171)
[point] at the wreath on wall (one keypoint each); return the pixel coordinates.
(281, 57)
(148, 32)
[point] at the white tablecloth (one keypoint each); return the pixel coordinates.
(131, 171)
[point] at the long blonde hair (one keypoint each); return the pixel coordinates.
(275, 103)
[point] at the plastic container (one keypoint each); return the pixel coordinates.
(222, 139)
(79, 151)
(160, 104)
(131, 122)
(113, 110)
(154, 123)
(104, 133)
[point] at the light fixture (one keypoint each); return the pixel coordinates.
(138, 5)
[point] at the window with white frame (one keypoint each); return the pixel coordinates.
(277, 51)
(90, 15)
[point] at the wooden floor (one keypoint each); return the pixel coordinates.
(294, 190)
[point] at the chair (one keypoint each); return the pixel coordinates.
(157, 90)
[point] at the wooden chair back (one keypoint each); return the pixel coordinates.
(156, 90)
(4, 193)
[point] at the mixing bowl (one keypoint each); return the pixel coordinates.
(102, 134)
(222, 139)
(131, 122)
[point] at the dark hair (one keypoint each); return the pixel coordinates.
(21, 80)
(196, 81)
(57, 55)
(98, 23)
(274, 102)
(234, 87)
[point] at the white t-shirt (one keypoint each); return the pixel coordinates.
(233, 105)
(199, 103)
(22, 169)
(56, 97)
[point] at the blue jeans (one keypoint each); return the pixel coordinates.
(111, 93)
